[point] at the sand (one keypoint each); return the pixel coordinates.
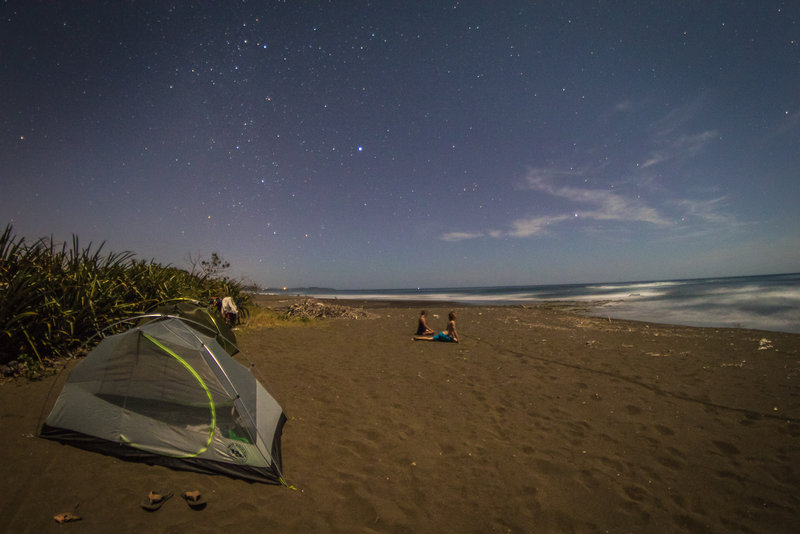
(540, 420)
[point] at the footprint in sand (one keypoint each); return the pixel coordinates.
(636, 493)
(730, 475)
(633, 410)
(674, 462)
(589, 480)
(665, 430)
(726, 448)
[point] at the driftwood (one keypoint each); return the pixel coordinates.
(314, 309)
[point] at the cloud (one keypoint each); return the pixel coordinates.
(679, 147)
(625, 105)
(460, 236)
(654, 159)
(667, 142)
(668, 138)
(534, 226)
(592, 204)
(677, 119)
(601, 204)
(707, 211)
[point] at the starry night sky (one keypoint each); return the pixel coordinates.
(390, 144)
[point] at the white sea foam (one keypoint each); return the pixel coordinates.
(633, 286)
(753, 306)
(723, 316)
(626, 294)
(761, 302)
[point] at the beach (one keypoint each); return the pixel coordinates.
(542, 419)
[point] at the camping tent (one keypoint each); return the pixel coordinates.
(200, 318)
(164, 393)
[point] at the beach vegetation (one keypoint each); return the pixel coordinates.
(54, 297)
(262, 317)
(215, 265)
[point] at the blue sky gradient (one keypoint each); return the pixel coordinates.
(414, 144)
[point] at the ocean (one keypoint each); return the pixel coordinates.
(766, 302)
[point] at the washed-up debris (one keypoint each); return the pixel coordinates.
(13, 368)
(736, 364)
(764, 344)
(314, 309)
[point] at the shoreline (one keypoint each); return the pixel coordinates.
(667, 313)
(765, 302)
(277, 302)
(541, 419)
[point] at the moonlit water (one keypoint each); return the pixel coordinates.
(758, 302)
(770, 302)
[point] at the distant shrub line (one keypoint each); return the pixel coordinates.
(55, 297)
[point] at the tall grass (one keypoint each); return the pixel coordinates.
(261, 317)
(54, 297)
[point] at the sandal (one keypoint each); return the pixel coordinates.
(66, 517)
(155, 500)
(194, 499)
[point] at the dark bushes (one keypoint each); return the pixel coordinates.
(53, 298)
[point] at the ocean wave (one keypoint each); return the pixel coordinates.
(761, 302)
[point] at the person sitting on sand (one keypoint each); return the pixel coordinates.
(449, 336)
(422, 326)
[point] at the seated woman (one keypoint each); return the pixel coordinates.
(449, 336)
(422, 326)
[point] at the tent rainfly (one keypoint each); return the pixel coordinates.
(164, 393)
(198, 317)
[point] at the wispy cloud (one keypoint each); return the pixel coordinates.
(534, 226)
(599, 204)
(679, 147)
(460, 236)
(625, 105)
(666, 143)
(590, 204)
(677, 119)
(709, 211)
(669, 139)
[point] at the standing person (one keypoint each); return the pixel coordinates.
(422, 326)
(450, 335)
(229, 311)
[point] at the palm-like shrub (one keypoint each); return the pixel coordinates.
(54, 298)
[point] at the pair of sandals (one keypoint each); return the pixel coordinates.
(155, 500)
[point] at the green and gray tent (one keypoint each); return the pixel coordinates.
(199, 317)
(164, 393)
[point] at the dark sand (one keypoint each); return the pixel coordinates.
(540, 420)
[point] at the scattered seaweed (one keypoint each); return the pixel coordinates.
(315, 309)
